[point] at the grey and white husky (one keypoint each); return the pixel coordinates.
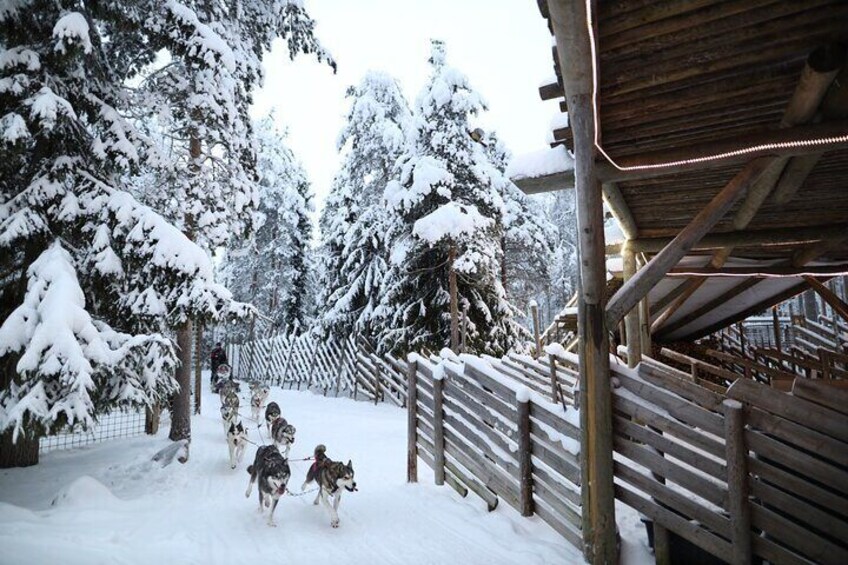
(272, 472)
(272, 412)
(229, 415)
(258, 395)
(237, 442)
(230, 400)
(283, 434)
(331, 476)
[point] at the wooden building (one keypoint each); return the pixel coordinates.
(717, 133)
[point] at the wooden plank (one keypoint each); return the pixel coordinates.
(821, 394)
(554, 481)
(776, 553)
(554, 420)
(560, 526)
(799, 486)
(800, 510)
(548, 495)
(645, 435)
(802, 539)
(682, 527)
(525, 465)
(691, 481)
(798, 435)
(678, 407)
(800, 462)
(490, 475)
(643, 414)
(737, 482)
(411, 423)
(792, 408)
(673, 499)
(569, 469)
(667, 378)
(488, 425)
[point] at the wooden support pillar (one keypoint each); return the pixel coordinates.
(554, 381)
(775, 322)
(412, 422)
(198, 366)
(525, 464)
(568, 20)
(737, 482)
(534, 312)
(454, 301)
(839, 307)
(439, 430)
(631, 319)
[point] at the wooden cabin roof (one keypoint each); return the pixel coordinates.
(689, 78)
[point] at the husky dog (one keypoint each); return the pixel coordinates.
(229, 415)
(283, 434)
(226, 387)
(272, 412)
(230, 400)
(258, 396)
(330, 475)
(272, 471)
(236, 441)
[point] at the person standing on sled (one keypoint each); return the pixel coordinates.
(219, 357)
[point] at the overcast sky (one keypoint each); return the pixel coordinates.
(503, 46)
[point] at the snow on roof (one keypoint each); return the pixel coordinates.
(540, 163)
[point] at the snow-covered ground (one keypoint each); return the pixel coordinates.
(114, 505)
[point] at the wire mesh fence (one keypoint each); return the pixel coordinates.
(110, 426)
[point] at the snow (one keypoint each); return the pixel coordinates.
(522, 393)
(451, 221)
(540, 163)
(140, 512)
(72, 28)
(19, 56)
(13, 128)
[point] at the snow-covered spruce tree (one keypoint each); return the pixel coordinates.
(527, 239)
(354, 221)
(89, 277)
(562, 213)
(446, 218)
(200, 99)
(271, 271)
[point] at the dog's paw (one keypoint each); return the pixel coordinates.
(334, 523)
(272, 524)
(232, 466)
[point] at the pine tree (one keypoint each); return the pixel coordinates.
(447, 213)
(354, 221)
(272, 270)
(527, 240)
(91, 278)
(563, 215)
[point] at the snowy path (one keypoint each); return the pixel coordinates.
(197, 513)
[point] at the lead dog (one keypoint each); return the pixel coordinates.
(283, 434)
(330, 476)
(229, 415)
(237, 442)
(272, 472)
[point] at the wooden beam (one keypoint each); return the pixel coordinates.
(757, 144)
(631, 320)
(568, 19)
(620, 211)
(838, 306)
(758, 307)
(563, 180)
(633, 290)
(746, 238)
(758, 272)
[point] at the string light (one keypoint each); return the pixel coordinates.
(727, 275)
(694, 160)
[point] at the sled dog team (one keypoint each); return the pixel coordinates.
(270, 468)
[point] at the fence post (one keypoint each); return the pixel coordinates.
(525, 465)
(412, 422)
(737, 482)
(378, 386)
(439, 429)
(151, 419)
(553, 378)
(534, 311)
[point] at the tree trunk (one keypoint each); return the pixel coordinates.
(181, 403)
(454, 306)
(23, 453)
(198, 366)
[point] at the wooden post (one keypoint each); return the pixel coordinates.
(525, 465)
(631, 319)
(151, 419)
(534, 312)
(464, 335)
(574, 51)
(412, 422)
(737, 482)
(742, 342)
(438, 431)
(454, 304)
(775, 322)
(378, 385)
(554, 381)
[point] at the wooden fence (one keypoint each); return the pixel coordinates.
(334, 366)
(758, 472)
(491, 427)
